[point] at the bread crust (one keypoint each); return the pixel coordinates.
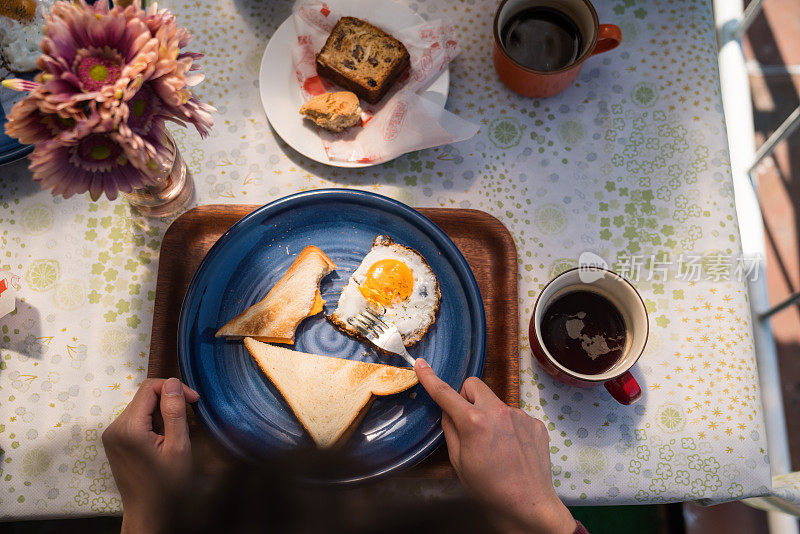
(390, 381)
(273, 316)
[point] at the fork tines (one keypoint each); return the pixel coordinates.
(360, 324)
(367, 322)
(377, 318)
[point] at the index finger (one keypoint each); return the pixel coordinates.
(139, 410)
(446, 397)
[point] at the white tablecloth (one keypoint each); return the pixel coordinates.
(629, 161)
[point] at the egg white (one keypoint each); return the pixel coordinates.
(19, 41)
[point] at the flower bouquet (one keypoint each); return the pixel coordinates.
(110, 79)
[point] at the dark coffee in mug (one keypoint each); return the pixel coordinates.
(584, 332)
(542, 38)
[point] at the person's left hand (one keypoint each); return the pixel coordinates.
(148, 449)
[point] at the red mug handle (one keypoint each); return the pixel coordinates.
(609, 37)
(625, 389)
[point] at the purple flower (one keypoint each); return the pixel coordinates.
(92, 55)
(97, 158)
(28, 123)
(110, 79)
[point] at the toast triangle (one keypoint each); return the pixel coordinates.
(329, 396)
(293, 298)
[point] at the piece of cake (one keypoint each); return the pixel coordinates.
(362, 58)
(333, 111)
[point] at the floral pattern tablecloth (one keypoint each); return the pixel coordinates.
(630, 164)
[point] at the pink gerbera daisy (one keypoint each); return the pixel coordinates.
(91, 54)
(29, 124)
(174, 72)
(110, 79)
(96, 158)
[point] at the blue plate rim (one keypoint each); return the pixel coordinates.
(443, 242)
(16, 153)
(13, 149)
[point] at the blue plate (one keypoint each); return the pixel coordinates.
(239, 405)
(10, 149)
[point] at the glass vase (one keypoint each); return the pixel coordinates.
(171, 191)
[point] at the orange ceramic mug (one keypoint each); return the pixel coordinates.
(595, 38)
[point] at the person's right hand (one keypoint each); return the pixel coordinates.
(501, 454)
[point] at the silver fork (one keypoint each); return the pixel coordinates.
(381, 332)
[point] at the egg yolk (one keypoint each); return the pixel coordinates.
(388, 282)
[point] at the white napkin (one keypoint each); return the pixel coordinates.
(403, 121)
(9, 284)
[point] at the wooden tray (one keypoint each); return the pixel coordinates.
(484, 241)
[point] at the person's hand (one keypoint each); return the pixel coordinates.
(149, 451)
(501, 455)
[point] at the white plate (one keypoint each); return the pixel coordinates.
(280, 93)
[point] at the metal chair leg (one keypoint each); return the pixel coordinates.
(792, 299)
(784, 130)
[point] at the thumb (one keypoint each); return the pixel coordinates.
(173, 412)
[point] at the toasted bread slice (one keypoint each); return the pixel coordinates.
(20, 10)
(329, 396)
(295, 297)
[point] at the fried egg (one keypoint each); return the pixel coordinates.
(397, 282)
(21, 23)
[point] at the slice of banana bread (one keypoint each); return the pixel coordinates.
(362, 58)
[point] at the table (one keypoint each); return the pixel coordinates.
(628, 163)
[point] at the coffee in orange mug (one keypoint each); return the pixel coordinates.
(540, 45)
